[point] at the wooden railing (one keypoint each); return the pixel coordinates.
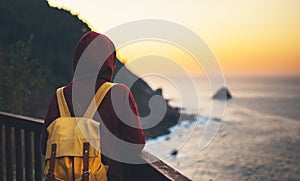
(20, 156)
(21, 159)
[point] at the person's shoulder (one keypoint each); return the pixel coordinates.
(121, 88)
(67, 89)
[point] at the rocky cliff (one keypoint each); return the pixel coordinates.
(55, 33)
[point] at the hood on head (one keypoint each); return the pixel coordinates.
(94, 50)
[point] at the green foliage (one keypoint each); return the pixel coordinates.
(56, 34)
(23, 64)
(21, 79)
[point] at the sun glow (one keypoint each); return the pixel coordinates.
(248, 37)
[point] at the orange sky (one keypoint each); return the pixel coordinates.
(249, 38)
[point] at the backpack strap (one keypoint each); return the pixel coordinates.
(96, 101)
(50, 175)
(62, 104)
(86, 172)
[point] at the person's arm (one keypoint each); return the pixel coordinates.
(52, 114)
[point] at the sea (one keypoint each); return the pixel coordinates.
(271, 97)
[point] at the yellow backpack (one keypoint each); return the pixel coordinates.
(73, 146)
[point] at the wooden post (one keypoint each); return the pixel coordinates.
(37, 157)
(1, 153)
(9, 155)
(28, 155)
(19, 157)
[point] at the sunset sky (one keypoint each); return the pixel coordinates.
(249, 38)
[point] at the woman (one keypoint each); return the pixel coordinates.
(96, 53)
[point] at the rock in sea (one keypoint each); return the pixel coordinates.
(222, 94)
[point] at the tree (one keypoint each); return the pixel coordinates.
(22, 79)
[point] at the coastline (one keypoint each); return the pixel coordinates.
(248, 146)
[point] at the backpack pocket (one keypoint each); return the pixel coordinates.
(99, 174)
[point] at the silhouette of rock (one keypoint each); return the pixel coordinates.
(222, 94)
(174, 153)
(159, 92)
(142, 93)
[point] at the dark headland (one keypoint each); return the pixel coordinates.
(49, 36)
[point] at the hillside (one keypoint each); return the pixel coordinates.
(36, 56)
(55, 33)
(47, 36)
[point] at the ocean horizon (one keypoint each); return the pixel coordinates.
(257, 139)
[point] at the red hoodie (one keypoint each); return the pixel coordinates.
(100, 55)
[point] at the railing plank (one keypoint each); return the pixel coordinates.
(1, 153)
(162, 168)
(37, 157)
(157, 170)
(28, 155)
(19, 158)
(22, 122)
(8, 155)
